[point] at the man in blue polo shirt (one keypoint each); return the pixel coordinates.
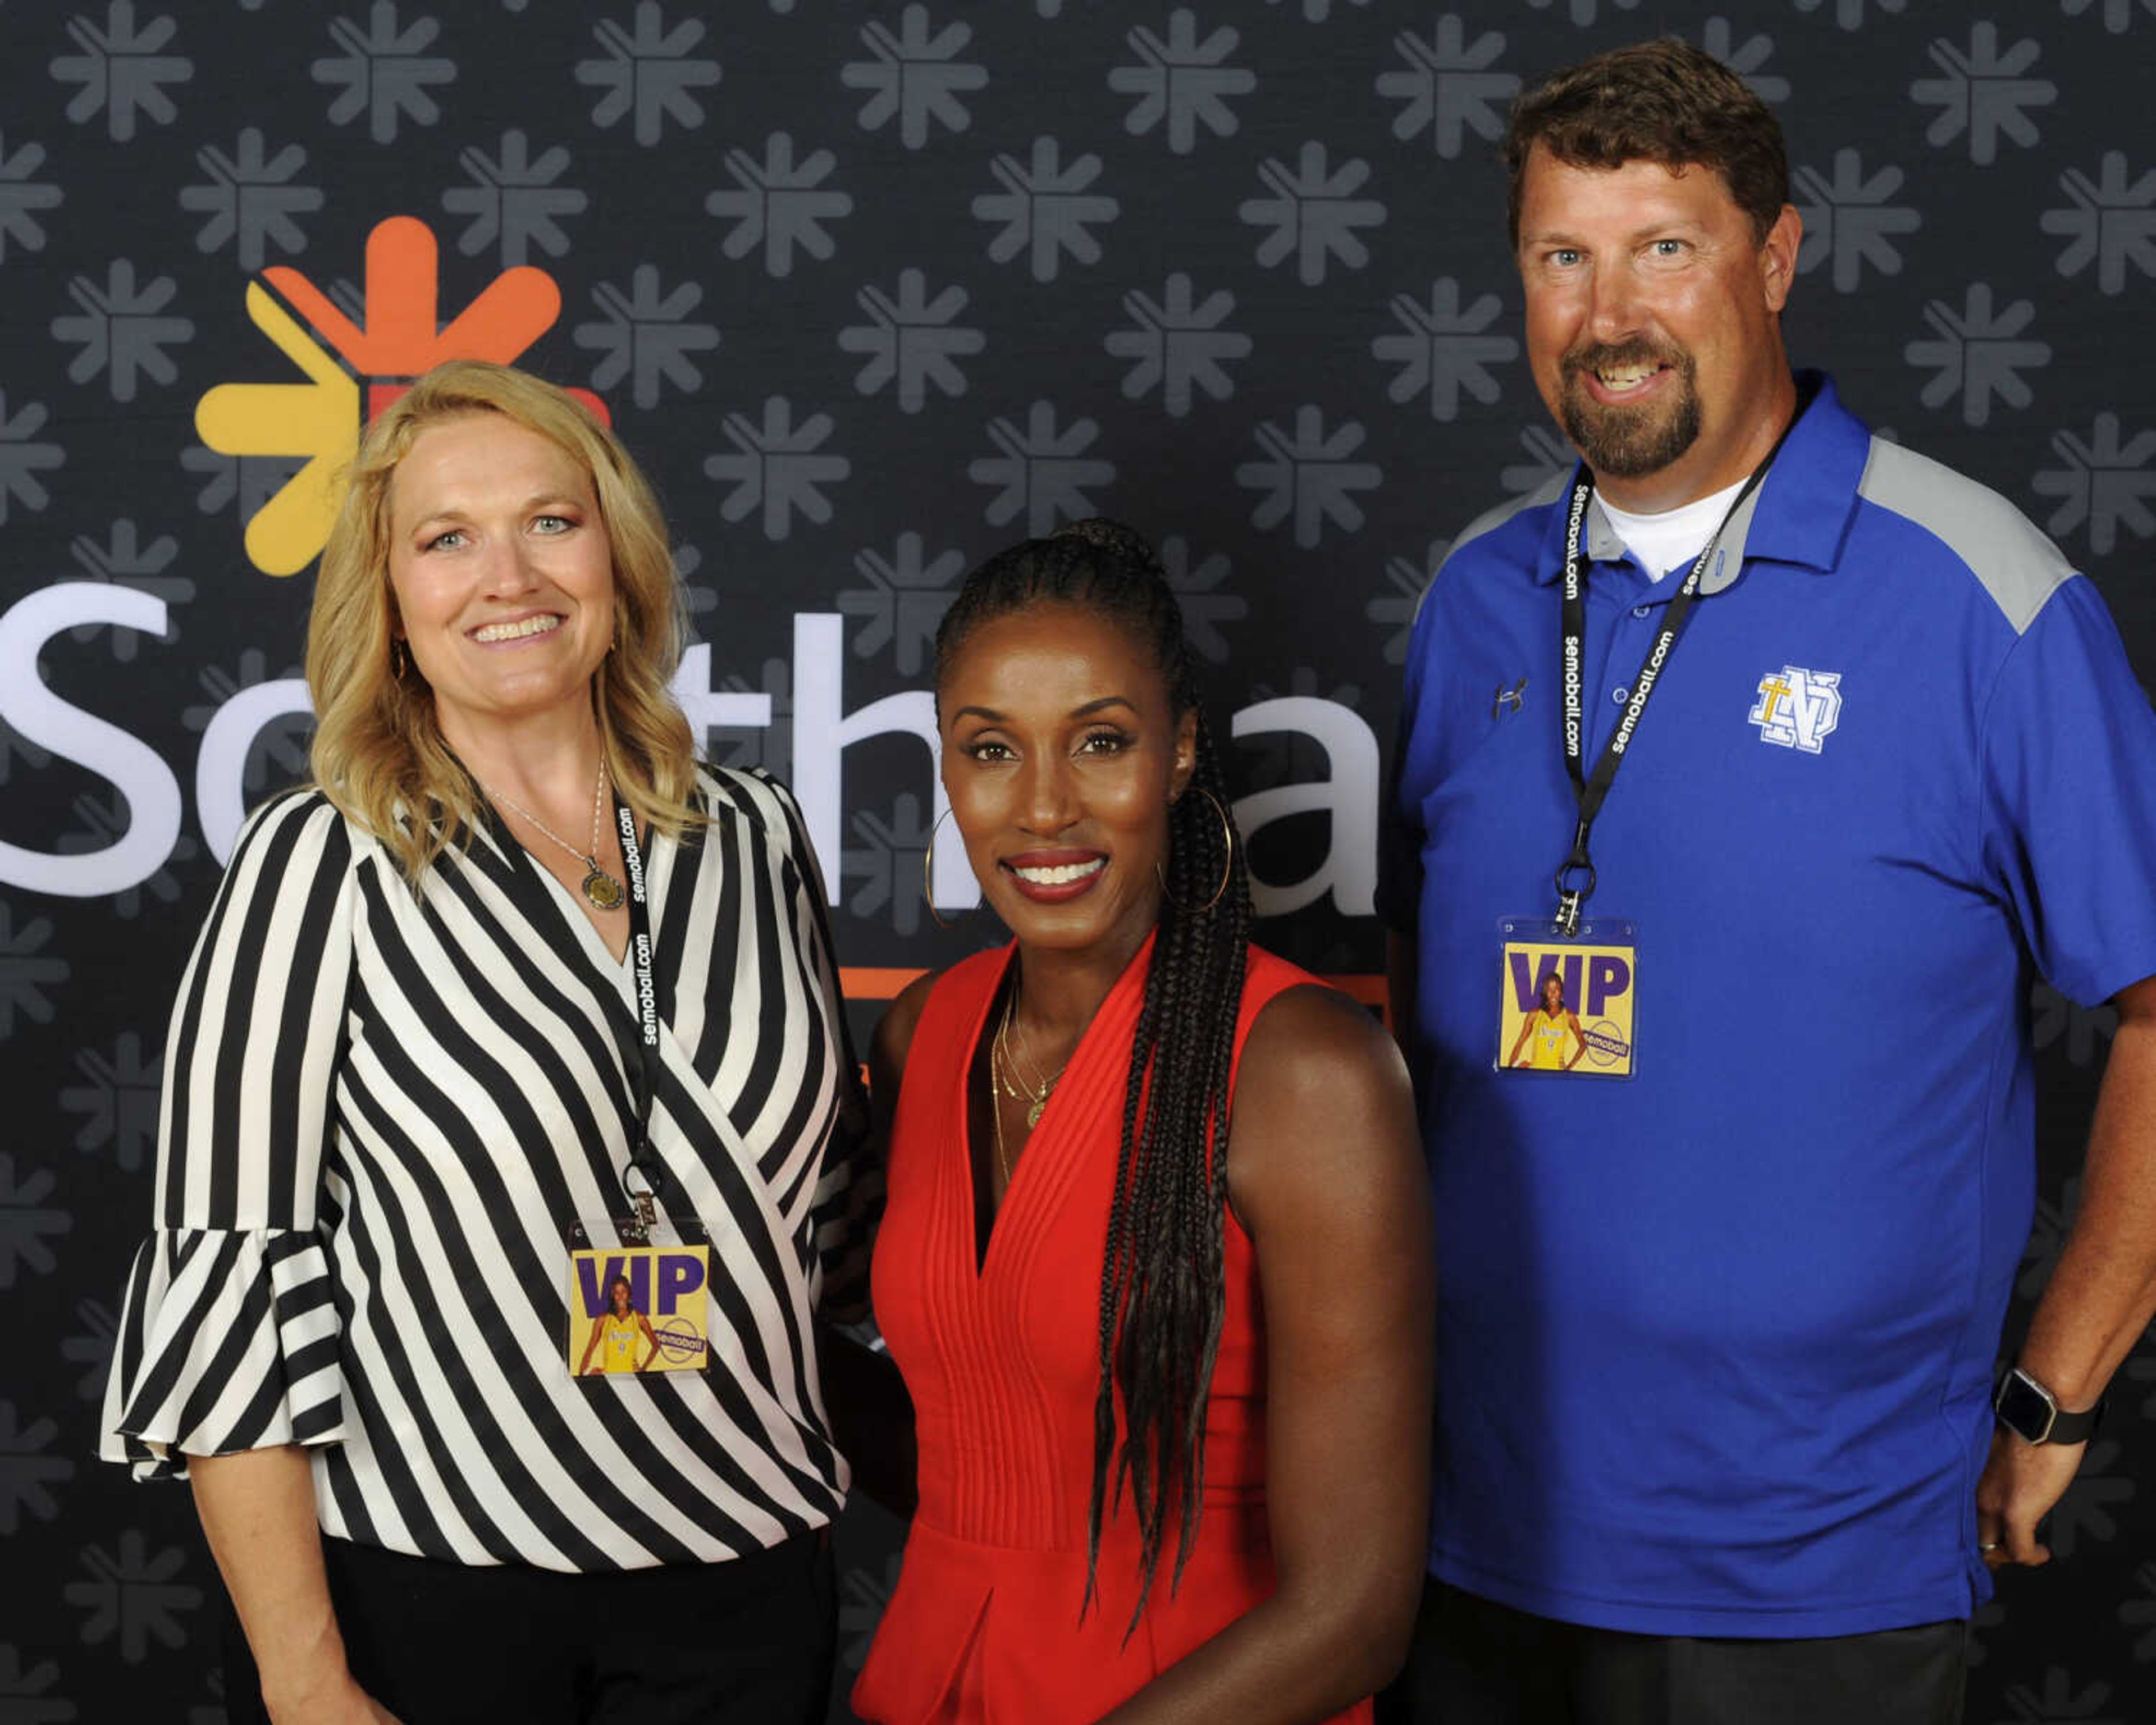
(1746, 776)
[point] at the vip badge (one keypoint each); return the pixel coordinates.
(1798, 708)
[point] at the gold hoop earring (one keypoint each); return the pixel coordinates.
(928, 872)
(1227, 859)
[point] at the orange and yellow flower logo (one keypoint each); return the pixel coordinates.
(401, 338)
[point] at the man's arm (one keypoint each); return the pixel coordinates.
(2100, 1296)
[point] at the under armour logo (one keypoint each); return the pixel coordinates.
(1504, 697)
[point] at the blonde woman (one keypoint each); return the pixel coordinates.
(512, 964)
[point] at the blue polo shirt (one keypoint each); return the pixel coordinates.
(1715, 1343)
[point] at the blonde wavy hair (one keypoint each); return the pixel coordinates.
(378, 753)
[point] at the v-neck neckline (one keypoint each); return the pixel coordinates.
(981, 1242)
(542, 885)
(982, 1233)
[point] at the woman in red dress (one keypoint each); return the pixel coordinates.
(1155, 1264)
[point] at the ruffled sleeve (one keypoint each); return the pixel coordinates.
(229, 1333)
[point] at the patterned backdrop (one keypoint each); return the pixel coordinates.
(874, 288)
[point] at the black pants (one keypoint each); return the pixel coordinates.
(1474, 1662)
(750, 1640)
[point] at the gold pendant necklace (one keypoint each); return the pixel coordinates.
(1035, 1092)
(600, 889)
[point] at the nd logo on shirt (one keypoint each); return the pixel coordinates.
(1798, 708)
(1566, 1007)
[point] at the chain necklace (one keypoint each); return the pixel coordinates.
(600, 889)
(1033, 1091)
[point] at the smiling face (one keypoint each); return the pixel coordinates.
(1553, 995)
(618, 1294)
(502, 574)
(1061, 752)
(1652, 324)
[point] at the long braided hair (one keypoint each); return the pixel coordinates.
(1161, 1287)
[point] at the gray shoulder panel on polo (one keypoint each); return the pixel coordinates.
(1491, 520)
(2004, 549)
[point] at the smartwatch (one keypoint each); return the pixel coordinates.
(2032, 1413)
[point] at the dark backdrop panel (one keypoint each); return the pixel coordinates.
(875, 287)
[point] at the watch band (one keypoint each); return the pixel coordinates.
(2025, 1407)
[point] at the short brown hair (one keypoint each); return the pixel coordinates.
(1663, 102)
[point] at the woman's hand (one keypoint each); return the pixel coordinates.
(258, 1511)
(336, 1700)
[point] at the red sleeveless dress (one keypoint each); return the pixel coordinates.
(983, 1627)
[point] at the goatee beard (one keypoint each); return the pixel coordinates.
(1629, 443)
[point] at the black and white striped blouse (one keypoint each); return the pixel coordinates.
(381, 1113)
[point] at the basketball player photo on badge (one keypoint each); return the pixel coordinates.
(634, 1311)
(1565, 1004)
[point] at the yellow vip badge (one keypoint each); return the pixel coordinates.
(635, 1309)
(1567, 1005)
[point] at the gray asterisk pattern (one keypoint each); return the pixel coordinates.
(27, 1222)
(1849, 14)
(1201, 593)
(2117, 14)
(117, 1101)
(90, 1347)
(514, 200)
(250, 198)
(23, 458)
(21, 196)
(278, 755)
(2105, 482)
(778, 204)
(1849, 220)
(646, 334)
(889, 864)
(29, 975)
(2111, 221)
(1450, 87)
(647, 72)
(1444, 350)
(1747, 56)
(1583, 12)
(1405, 580)
(778, 470)
(912, 337)
(27, 1472)
(1977, 354)
(915, 75)
(1313, 213)
(1308, 476)
(902, 596)
(1183, 80)
(121, 329)
(132, 1597)
(1983, 93)
(1178, 344)
(123, 68)
(122, 558)
(384, 71)
(1045, 210)
(1041, 472)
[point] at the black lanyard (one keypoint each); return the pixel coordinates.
(1592, 790)
(640, 1058)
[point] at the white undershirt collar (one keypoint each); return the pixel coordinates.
(1673, 538)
